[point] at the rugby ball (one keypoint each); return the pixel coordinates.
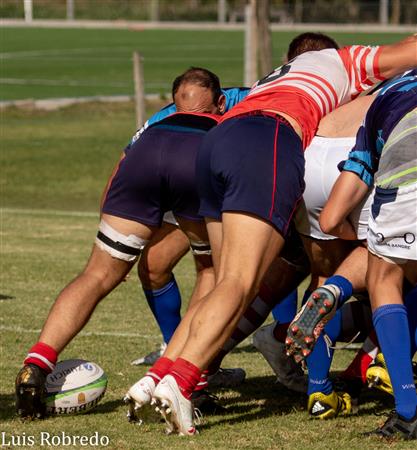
(74, 387)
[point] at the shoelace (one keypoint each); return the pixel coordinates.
(329, 343)
(198, 416)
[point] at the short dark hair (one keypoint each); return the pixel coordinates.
(201, 77)
(307, 42)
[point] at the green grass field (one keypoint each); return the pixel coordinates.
(53, 170)
(43, 63)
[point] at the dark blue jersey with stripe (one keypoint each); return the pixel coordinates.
(394, 101)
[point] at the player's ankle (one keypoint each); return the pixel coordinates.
(160, 369)
(187, 376)
(43, 356)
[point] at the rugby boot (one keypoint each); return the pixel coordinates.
(288, 372)
(31, 392)
(226, 378)
(151, 358)
(139, 395)
(377, 375)
(353, 386)
(322, 406)
(176, 410)
(308, 324)
(206, 402)
(398, 426)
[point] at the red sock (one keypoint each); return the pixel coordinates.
(360, 364)
(160, 369)
(202, 383)
(43, 356)
(280, 331)
(187, 376)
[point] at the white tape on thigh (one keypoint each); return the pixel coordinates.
(200, 248)
(127, 248)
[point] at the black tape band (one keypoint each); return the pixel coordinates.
(122, 248)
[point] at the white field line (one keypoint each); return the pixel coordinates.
(76, 83)
(54, 52)
(44, 82)
(48, 212)
(82, 333)
(149, 25)
(95, 52)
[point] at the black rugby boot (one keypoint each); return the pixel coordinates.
(31, 392)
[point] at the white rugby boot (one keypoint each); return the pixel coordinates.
(139, 395)
(177, 411)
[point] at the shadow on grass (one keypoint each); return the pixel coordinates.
(259, 397)
(106, 407)
(7, 406)
(262, 397)
(6, 297)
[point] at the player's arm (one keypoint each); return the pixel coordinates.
(397, 58)
(348, 191)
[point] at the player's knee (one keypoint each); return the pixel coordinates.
(118, 245)
(152, 274)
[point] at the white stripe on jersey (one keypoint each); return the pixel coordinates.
(330, 77)
(312, 85)
(362, 61)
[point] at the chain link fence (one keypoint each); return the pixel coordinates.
(282, 11)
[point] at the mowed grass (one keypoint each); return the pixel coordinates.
(54, 167)
(42, 63)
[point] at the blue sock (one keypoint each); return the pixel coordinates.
(165, 304)
(391, 326)
(321, 358)
(344, 285)
(410, 302)
(285, 310)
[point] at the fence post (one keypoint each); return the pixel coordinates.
(139, 88)
(28, 7)
(221, 11)
(154, 10)
(251, 54)
(383, 12)
(70, 9)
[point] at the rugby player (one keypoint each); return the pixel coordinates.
(385, 155)
(131, 216)
(330, 146)
(248, 204)
(169, 245)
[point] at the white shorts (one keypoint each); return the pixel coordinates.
(322, 157)
(392, 231)
(169, 218)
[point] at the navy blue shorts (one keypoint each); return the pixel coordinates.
(252, 163)
(157, 173)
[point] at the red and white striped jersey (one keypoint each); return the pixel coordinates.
(313, 84)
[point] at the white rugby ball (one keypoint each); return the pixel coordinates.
(75, 386)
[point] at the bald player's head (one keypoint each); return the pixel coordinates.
(198, 90)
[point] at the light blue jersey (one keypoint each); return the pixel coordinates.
(233, 96)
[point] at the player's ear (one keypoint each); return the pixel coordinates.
(221, 104)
